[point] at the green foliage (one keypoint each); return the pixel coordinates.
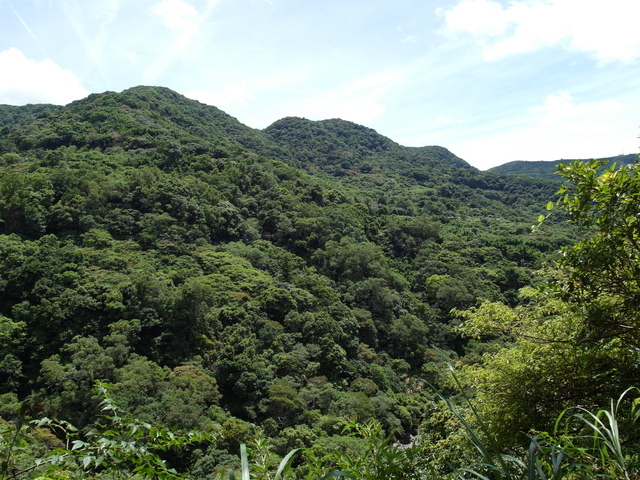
(607, 441)
(30, 447)
(124, 444)
(264, 463)
(225, 278)
(376, 456)
(595, 451)
(121, 446)
(605, 265)
(573, 341)
(24, 200)
(524, 383)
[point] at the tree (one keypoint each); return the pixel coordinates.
(24, 200)
(574, 341)
(12, 336)
(535, 365)
(284, 405)
(604, 267)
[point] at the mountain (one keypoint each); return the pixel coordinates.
(343, 148)
(220, 276)
(140, 117)
(548, 169)
(10, 114)
(156, 119)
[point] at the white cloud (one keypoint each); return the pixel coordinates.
(226, 97)
(592, 128)
(605, 30)
(477, 17)
(560, 108)
(558, 128)
(178, 16)
(187, 24)
(31, 81)
(359, 101)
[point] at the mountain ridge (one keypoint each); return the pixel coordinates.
(213, 123)
(547, 168)
(284, 139)
(158, 125)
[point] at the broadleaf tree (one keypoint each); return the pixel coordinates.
(575, 339)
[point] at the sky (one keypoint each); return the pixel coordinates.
(491, 80)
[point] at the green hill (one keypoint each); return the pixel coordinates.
(219, 276)
(548, 169)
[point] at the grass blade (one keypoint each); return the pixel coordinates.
(285, 463)
(244, 462)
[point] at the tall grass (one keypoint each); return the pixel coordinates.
(262, 466)
(584, 445)
(604, 440)
(596, 450)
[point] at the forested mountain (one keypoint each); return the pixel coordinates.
(257, 284)
(549, 169)
(13, 114)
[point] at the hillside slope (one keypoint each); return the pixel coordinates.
(548, 169)
(221, 275)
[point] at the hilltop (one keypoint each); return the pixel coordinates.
(548, 169)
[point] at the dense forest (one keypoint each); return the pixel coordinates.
(549, 169)
(175, 285)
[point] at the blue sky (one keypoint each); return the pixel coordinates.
(491, 80)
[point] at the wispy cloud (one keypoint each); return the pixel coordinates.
(360, 101)
(187, 25)
(28, 29)
(93, 27)
(603, 30)
(24, 85)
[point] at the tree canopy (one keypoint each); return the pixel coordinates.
(284, 283)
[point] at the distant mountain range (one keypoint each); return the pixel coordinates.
(158, 122)
(548, 169)
(335, 146)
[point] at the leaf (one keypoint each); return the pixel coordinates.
(635, 410)
(86, 461)
(77, 444)
(285, 463)
(338, 473)
(244, 462)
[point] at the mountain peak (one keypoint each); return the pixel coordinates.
(145, 115)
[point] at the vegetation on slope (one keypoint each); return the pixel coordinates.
(257, 284)
(549, 169)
